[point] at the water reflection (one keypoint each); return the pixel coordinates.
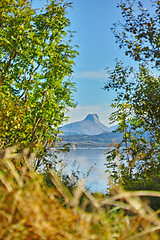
(85, 159)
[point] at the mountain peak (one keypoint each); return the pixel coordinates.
(91, 125)
(92, 118)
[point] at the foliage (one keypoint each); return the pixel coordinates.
(139, 32)
(137, 104)
(135, 163)
(29, 209)
(35, 69)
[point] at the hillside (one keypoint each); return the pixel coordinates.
(101, 140)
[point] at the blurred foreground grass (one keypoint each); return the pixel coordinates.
(29, 209)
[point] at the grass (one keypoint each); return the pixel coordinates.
(29, 209)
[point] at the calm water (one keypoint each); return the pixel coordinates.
(85, 159)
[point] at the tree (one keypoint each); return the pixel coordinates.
(137, 106)
(35, 69)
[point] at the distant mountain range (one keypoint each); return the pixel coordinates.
(91, 125)
(101, 140)
(89, 132)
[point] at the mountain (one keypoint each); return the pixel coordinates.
(91, 125)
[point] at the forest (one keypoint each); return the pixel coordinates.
(36, 89)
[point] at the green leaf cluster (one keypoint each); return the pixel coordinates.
(36, 61)
(138, 34)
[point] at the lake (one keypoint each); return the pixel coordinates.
(85, 159)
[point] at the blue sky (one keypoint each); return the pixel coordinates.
(92, 19)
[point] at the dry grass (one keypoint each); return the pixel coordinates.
(31, 210)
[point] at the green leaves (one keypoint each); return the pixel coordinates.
(35, 67)
(137, 112)
(140, 31)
